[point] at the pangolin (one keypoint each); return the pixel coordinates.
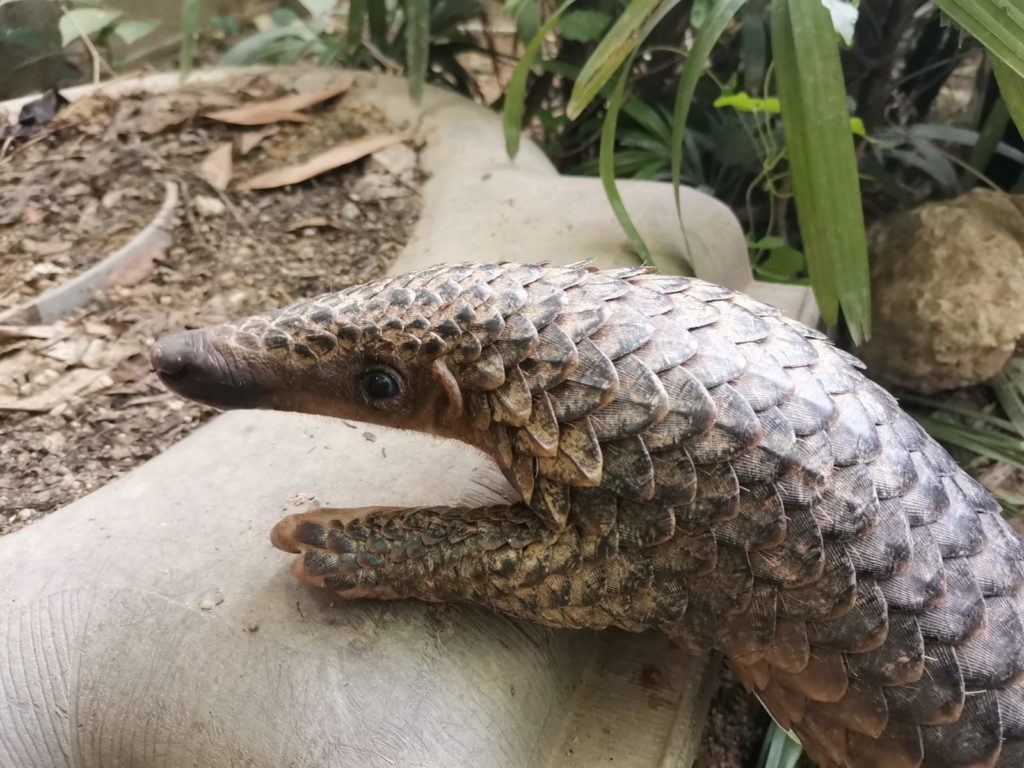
(688, 460)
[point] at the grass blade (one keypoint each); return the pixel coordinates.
(979, 441)
(991, 132)
(1011, 88)
(823, 164)
(622, 40)
(356, 20)
(515, 94)
(710, 31)
(996, 24)
(606, 163)
(1009, 387)
(191, 20)
(417, 45)
(779, 749)
(377, 15)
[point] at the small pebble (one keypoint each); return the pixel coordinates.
(208, 206)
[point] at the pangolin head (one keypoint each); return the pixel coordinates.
(399, 351)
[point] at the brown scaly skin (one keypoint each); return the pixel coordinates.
(689, 460)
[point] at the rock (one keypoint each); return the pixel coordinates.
(947, 283)
(207, 206)
(379, 186)
(398, 159)
(350, 211)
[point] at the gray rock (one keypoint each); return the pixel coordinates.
(947, 284)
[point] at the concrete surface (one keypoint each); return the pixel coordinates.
(152, 624)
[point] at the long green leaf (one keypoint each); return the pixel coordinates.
(377, 13)
(86, 22)
(823, 164)
(996, 24)
(133, 30)
(606, 162)
(622, 40)
(991, 132)
(721, 14)
(266, 46)
(973, 439)
(1011, 88)
(356, 21)
(780, 749)
(1010, 399)
(515, 94)
(417, 45)
(191, 20)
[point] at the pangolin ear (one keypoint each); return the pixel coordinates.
(444, 377)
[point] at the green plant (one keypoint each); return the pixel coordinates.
(91, 31)
(791, 139)
(419, 38)
(780, 748)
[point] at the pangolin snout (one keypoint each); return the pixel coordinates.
(192, 366)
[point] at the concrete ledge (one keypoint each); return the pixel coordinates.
(151, 623)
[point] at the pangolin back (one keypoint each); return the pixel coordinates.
(711, 468)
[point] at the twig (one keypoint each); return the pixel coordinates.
(94, 54)
(190, 216)
(971, 170)
(383, 59)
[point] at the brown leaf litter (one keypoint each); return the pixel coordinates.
(79, 405)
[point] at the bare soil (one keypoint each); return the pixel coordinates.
(79, 405)
(734, 729)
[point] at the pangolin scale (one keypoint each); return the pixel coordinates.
(688, 460)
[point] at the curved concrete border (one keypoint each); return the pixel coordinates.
(53, 303)
(151, 623)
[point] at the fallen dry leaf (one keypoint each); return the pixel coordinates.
(27, 332)
(261, 116)
(342, 154)
(216, 168)
(32, 215)
(67, 351)
(249, 140)
(279, 110)
(72, 383)
(316, 222)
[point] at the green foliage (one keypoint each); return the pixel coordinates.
(85, 21)
(822, 161)
(767, 128)
(583, 26)
(62, 42)
(780, 748)
(100, 23)
(711, 28)
(515, 94)
(621, 42)
(996, 24)
(191, 19)
(420, 38)
(607, 163)
(417, 44)
(1011, 86)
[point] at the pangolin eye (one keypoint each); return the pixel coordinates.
(379, 384)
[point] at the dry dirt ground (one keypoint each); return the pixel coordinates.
(78, 403)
